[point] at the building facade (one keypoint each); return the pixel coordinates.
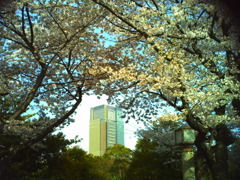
(106, 128)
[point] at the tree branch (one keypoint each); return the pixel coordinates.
(30, 24)
(31, 94)
(119, 17)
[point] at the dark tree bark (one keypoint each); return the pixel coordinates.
(203, 158)
(223, 139)
(201, 167)
(212, 163)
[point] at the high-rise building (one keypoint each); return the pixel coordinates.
(106, 128)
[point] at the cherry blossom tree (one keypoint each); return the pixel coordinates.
(51, 55)
(190, 64)
(173, 53)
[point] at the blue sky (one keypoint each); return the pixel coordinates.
(81, 125)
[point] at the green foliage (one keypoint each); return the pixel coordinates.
(120, 158)
(149, 164)
(156, 156)
(52, 159)
(74, 164)
(37, 157)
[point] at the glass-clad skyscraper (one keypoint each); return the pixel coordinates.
(106, 128)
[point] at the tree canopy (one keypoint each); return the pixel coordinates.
(33, 161)
(178, 54)
(53, 158)
(120, 159)
(190, 64)
(190, 59)
(51, 55)
(155, 156)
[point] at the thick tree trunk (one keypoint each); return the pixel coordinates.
(213, 160)
(203, 159)
(223, 139)
(220, 168)
(202, 169)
